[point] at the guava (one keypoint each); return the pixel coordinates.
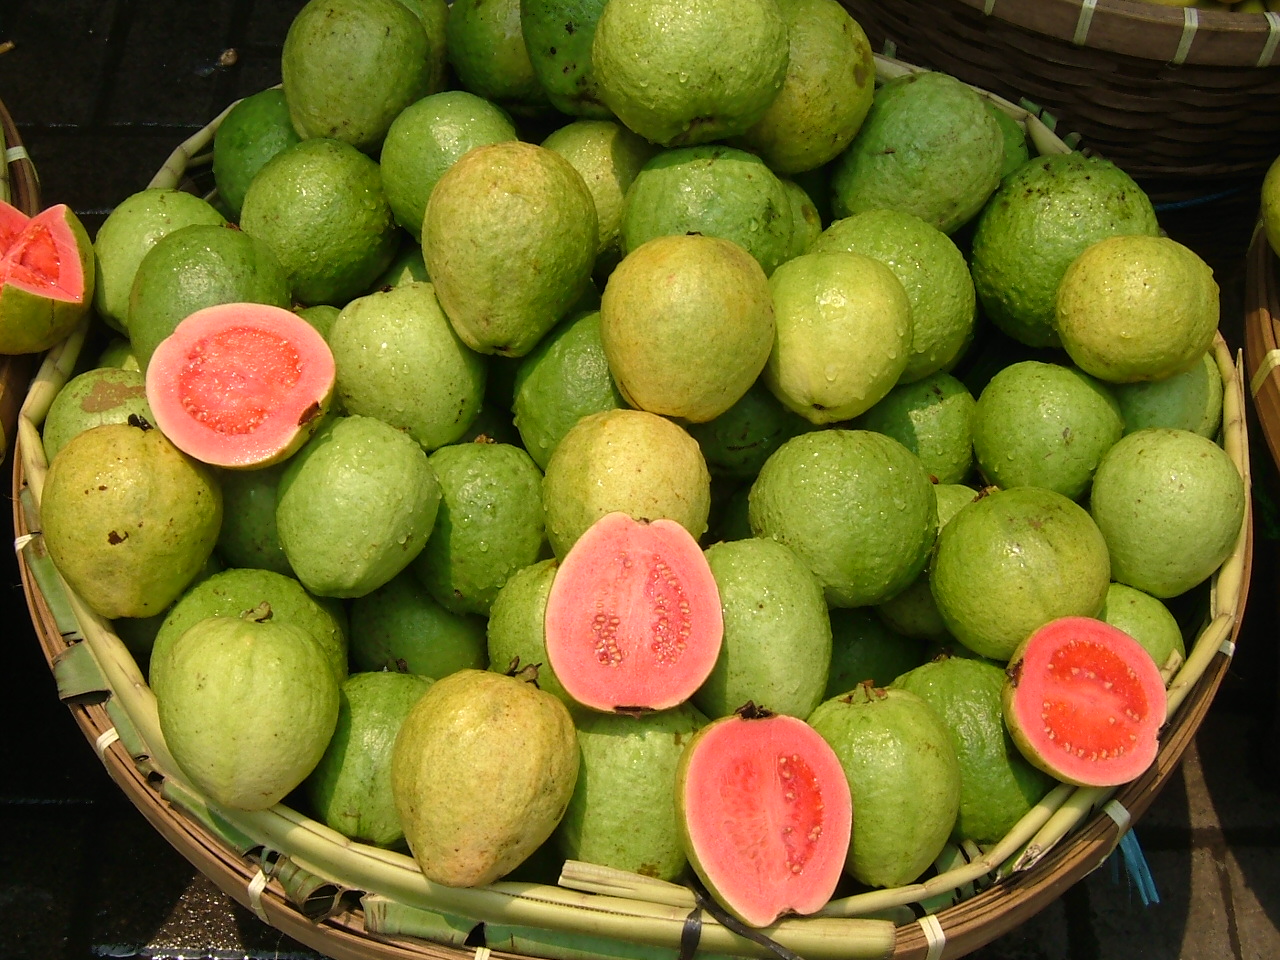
(247, 708)
(806, 219)
(997, 785)
(629, 460)
(254, 130)
(766, 814)
(248, 536)
(1038, 221)
(1016, 150)
(558, 35)
(401, 627)
(47, 277)
(933, 418)
(928, 146)
(89, 399)
(1169, 504)
(231, 592)
(563, 379)
(516, 633)
(1084, 702)
(738, 442)
(356, 505)
(1134, 307)
(856, 505)
(628, 765)
(1044, 425)
(828, 89)
(1191, 400)
(904, 779)
(133, 227)
(503, 210)
(633, 619)
(713, 190)
(1011, 561)
(843, 323)
(701, 298)
(349, 789)
(128, 518)
(481, 772)
(933, 272)
(348, 67)
(776, 649)
(866, 649)
(1148, 621)
(399, 359)
(487, 50)
(489, 524)
(425, 139)
(240, 385)
(679, 75)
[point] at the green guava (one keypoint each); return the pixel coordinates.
(516, 632)
(254, 130)
(89, 399)
(489, 524)
(629, 460)
(933, 418)
(127, 518)
(1191, 400)
(486, 47)
(248, 536)
(401, 627)
(738, 442)
(1149, 622)
(558, 35)
(866, 649)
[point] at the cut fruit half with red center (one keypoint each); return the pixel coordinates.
(633, 620)
(1084, 702)
(46, 277)
(766, 814)
(240, 385)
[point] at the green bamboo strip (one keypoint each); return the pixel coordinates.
(596, 878)
(392, 918)
(187, 154)
(6, 191)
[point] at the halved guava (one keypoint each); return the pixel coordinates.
(240, 385)
(766, 814)
(1084, 702)
(633, 620)
(46, 277)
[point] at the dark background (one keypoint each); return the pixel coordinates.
(102, 92)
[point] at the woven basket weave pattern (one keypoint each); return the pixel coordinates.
(1153, 117)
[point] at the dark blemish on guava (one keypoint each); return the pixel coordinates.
(107, 396)
(647, 870)
(401, 665)
(102, 486)
(137, 421)
(551, 50)
(569, 28)
(889, 150)
(309, 414)
(114, 538)
(1014, 672)
(628, 711)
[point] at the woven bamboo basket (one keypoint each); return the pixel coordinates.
(18, 186)
(356, 902)
(1262, 337)
(1180, 98)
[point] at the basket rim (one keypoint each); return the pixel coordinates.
(1262, 336)
(965, 926)
(1150, 31)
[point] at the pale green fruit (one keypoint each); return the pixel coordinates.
(348, 67)
(356, 505)
(247, 708)
(489, 524)
(806, 219)
(843, 337)
(399, 359)
(857, 506)
(864, 649)
(1044, 425)
(933, 418)
(702, 299)
(487, 51)
(904, 779)
(401, 627)
(132, 228)
(679, 73)
(624, 460)
(128, 519)
(558, 35)
(349, 789)
(777, 636)
(507, 210)
(1149, 622)
(928, 146)
(515, 633)
(738, 442)
(248, 536)
(1169, 504)
(1191, 400)
(90, 399)
(827, 92)
(621, 814)
(997, 785)
(482, 771)
(1011, 561)
(1270, 192)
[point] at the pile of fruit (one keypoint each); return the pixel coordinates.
(628, 433)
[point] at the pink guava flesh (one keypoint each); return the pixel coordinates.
(41, 256)
(633, 618)
(767, 815)
(1085, 702)
(240, 385)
